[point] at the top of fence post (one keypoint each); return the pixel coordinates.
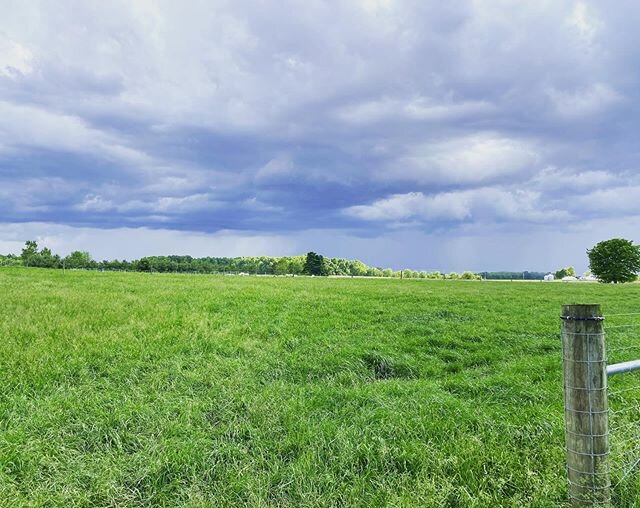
(587, 312)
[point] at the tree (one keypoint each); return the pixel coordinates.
(615, 260)
(357, 268)
(281, 267)
(144, 265)
(78, 259)
(568, 271)
(29, 252)
(315, 264)
(47, 259)
(10, 260)
(296, 265)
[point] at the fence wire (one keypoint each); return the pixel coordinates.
(623, 345)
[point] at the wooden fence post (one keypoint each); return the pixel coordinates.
(584, 362)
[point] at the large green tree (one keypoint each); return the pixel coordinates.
(615, 260)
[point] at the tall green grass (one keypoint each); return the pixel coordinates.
(179, 390)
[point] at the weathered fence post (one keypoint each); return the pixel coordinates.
(584, 362)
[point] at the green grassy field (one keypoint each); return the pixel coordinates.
(179, 390)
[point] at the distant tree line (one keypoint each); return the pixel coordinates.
(10, 260)
(513, 275)
(311, 264)
(616, 260)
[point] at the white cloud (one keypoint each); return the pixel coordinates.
(584, 22)
(401, 207)
(583, 102)
(24, 127)
(256, 205)
(418, 109)
(470, 159)
(571, 181)
(95, 203)
(477, 204)
(30, 126)
(159, 205)
(276, 168)
(375, 6)
(616, 200)
(15, 58)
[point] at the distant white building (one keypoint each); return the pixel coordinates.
(569, 278)
(549, 277)
(589, 277)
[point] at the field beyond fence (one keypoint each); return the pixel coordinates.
(130, 389)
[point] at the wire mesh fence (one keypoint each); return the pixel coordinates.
(623, 349)
(602, 406)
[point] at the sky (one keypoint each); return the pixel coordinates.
(480, 135)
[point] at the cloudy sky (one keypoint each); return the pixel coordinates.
(435, 135)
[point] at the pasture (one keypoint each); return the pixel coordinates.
(133, 389)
